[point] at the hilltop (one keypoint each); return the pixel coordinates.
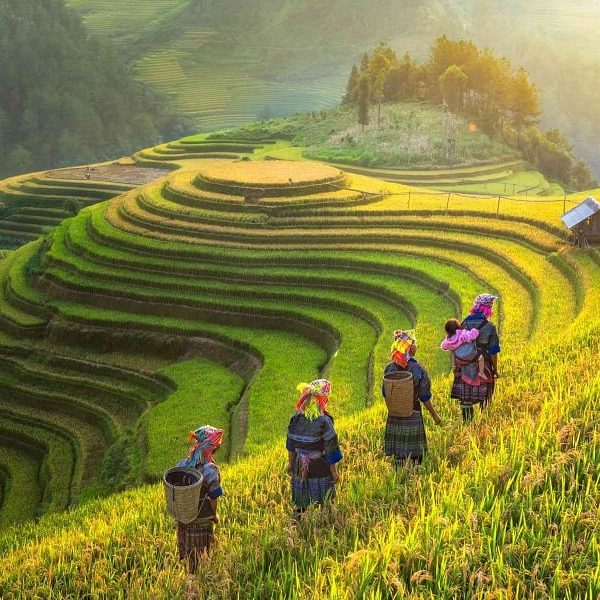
(191, 298)
(225, 63)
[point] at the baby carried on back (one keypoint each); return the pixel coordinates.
(466, 356)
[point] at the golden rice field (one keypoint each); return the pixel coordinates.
(183, 301)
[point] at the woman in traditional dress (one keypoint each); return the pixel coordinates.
(404, 437)
(194, 539)
(480, 392)
(313, 449)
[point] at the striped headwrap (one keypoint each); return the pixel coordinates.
(320, 390)
(403, 342)
(208, 440)
(484, 303)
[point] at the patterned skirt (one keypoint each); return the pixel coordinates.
(468, 395)
(194, 539)
(313, 490)
(405, 437)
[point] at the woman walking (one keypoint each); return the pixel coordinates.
(480, 391)
(404, 437)
(194, 539)
(313, 449)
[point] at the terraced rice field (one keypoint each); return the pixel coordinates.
(34, 204)
(124, 20)
(200, 284)
(224, 95)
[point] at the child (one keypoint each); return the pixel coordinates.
(461, 342)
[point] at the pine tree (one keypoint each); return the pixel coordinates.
(364, 92)
(350, 96)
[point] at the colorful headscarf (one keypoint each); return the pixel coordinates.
(208, 440)
(320, 390)
(403, 342)
(484, 304)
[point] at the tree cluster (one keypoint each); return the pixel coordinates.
(65, 97)
(486, 88)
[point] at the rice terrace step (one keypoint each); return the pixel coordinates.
(292, 226)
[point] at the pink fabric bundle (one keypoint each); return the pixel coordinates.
(460, 337)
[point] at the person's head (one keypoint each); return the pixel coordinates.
(403, 347)
(314, 397)
(451, 326)
(207, 441)
(484, 303)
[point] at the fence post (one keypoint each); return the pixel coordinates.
(498, 206)
(408, 205)
(448, 202)
(565, 204)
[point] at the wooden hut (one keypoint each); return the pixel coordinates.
(584, 222)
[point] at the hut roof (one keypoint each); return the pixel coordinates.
(590, 206)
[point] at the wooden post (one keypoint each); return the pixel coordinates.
(565, 204)
(448, 202)
(408, 205)
(498, 206)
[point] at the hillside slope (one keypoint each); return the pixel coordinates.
(66, 97)
(195, 282)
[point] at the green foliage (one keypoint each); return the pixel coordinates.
(453, 84)
(363, 97)
(66, 97)
(481, 86)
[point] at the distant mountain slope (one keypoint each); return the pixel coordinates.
(225, 62)
(65, 97)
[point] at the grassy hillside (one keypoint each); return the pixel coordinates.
(410, 134)
(180, 302)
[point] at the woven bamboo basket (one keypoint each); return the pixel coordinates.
(182, 492)
(399, 393)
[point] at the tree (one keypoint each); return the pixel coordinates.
(453, 85)
(558, 137)
(3, 127)
(19, 160)
(524, 101)
(581, 176)
(66, 96)
(364, 92)
(350, 96)
(401, 80)
(379, 65)
(445, 53)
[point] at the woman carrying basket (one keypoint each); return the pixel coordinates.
(313, 449)
(480, 392)
(404, 437)
(194, 539)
